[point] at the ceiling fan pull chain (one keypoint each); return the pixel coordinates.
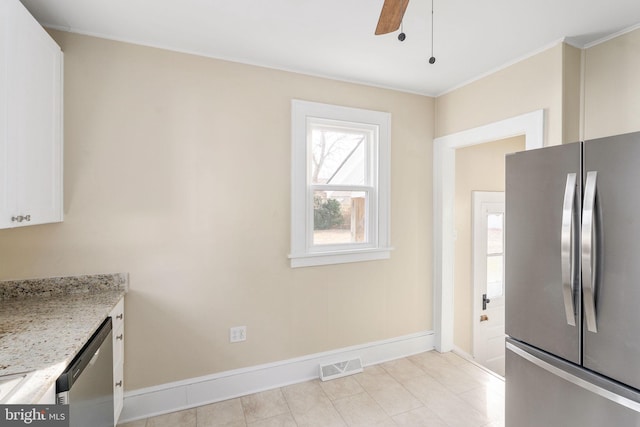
(432, 60)
(402, 35)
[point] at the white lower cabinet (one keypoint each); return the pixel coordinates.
(117, 317)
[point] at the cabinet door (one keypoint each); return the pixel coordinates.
(32, 162)
(7, 167)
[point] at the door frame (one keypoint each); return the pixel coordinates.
(531, 125)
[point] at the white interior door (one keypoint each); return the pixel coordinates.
(488, 280)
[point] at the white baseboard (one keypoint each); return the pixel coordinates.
(176, 396)
(457, 350)
(460, 352)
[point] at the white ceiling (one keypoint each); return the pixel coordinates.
(334, 38)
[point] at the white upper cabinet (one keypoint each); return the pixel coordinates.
(30, 120)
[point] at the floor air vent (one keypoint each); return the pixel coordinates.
(340, 369)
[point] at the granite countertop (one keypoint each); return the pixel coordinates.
(45, 322)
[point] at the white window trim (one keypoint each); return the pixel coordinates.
(302, 255)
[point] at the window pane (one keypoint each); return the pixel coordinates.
(337, 156)
(494, 276)
(494, 233)
(339, 217)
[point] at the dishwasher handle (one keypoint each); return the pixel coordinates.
(84, 358)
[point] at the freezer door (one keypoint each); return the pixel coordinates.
(614, 258)
(542, 208)
(542, 390)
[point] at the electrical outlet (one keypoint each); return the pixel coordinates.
(237, 334)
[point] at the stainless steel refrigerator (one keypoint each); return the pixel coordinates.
(572, 277)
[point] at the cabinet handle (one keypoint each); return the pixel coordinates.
(119, 383)
(119, 337)
(120, 316)
(21, 218)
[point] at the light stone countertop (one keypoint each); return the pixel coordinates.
(44, 323)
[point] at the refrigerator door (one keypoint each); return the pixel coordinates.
(542, 390)
(614, 258)
(542, 233)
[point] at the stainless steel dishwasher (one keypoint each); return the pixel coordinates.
(87, 383)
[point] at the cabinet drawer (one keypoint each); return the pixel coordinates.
(118, 390)
(117, 316)
(118, 347)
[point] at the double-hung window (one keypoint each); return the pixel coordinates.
(340, 184)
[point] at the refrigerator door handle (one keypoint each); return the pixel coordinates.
(567, 248)
(605, 389)
(588, 250)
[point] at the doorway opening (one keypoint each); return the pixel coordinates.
(531, 125)
(479, 215)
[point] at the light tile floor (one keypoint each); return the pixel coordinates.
(428, 389)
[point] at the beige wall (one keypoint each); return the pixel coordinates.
(177, 170)
(532, 84)
(571, 93)
(612, 87)
(550, 80)
(478, 168)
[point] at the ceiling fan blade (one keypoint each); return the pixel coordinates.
(391, 16)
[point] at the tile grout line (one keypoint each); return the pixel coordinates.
(374, 399)
(424, 404)
(284, 396)
(344, 421)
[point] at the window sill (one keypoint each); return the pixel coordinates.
(339, 257)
